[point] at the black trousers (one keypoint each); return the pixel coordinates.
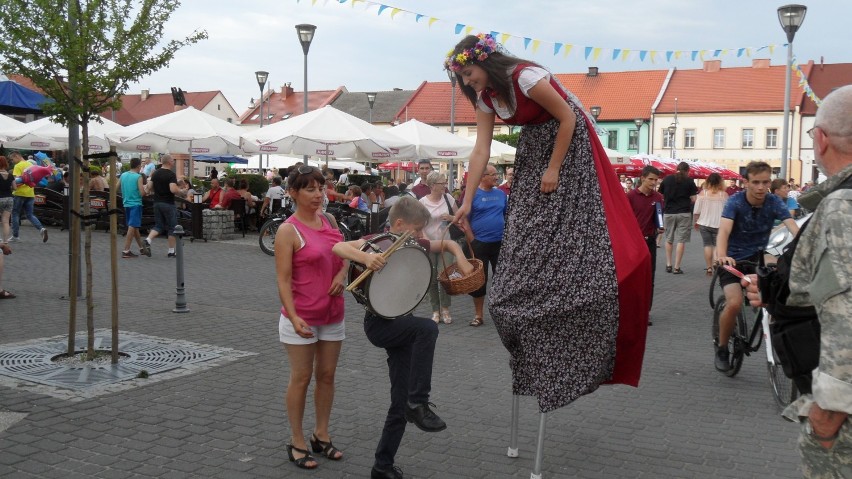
(651, 241)
(410, 343)
(487, 253)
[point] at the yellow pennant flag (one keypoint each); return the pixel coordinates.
(504, 37)
(468, 29)
(535, 45)
(771, 49)
(355, 2)
(748, 52)
(725, 51)
(625, 54)
(394, 12)
(596, 52)
(567, 50)
(677, 54)
(653, 56)
(701, 54)
(432, 20)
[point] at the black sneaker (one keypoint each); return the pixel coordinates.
(44, 235)
(146, 248)
(424, 418)
(391, 472)
(171, 255)
(722, 363)
(129, 254)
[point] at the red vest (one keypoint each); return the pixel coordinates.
(527, 111)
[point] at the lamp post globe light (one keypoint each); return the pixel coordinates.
(306, 36)
(371, 99)
(791, 18)
(638, 122)
(261, 77)
(595, 111)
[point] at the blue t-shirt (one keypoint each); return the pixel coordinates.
(752, 225)
(129, 189)
(487, 215)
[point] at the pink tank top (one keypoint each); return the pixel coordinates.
(314, 267)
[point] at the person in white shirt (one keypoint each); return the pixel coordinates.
(275, 192)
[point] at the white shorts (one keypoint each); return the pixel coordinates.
(328, 332)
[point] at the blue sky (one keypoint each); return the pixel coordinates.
(357, 48)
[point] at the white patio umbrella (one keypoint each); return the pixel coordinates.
(184, 131)
(6, 124)
(500, 152)
(431, 142)
(56, 135)
(616, 157)
(327, 132)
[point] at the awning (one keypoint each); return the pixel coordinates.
(14, 97)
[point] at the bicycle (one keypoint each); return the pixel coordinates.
(745, 340)
(266, 234)
(350, 222)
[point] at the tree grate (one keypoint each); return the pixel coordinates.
(34, 362)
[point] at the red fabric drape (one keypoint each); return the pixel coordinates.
(632, 268)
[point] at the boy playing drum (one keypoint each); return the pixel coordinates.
(409, 341)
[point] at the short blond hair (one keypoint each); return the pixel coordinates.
(409, 210)
(435, 177)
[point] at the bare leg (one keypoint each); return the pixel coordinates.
(327, 354)
(679, 254)
(301, 369)
(478, 306)
(668, 254)
(708, 256)
(128, 238)
(172, 242)
(5, 220)
(733, 305)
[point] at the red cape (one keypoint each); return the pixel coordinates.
(632, 268)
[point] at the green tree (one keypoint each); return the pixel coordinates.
(83, 54)
(510, 139)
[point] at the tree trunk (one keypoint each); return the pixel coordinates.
(113, 249)
(74, 287)
(87, 248)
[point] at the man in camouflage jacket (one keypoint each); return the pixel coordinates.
(821, 275)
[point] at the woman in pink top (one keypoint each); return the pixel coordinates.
(310, 284)
(707, 213)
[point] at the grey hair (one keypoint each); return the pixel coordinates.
(834, 116)
(435, 177)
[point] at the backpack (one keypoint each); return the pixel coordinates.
(794, 330)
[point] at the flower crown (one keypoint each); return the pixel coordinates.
(484, 47)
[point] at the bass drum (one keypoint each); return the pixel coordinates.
(401, 285)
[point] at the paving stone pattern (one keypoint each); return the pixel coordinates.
(685, 420)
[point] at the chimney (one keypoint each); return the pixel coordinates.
(712, 65)
(760, 63)
(144, 95)
(286, 91)
(593, 72)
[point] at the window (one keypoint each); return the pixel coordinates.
(633, 140)
(748, 137)
(612, 140)
(718, 137)
(772, 137)
(689, 138)
(667, 138)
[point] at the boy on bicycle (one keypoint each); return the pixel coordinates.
(744, 229)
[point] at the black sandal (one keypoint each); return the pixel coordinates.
(677, 271)
(668, 269)
(302, 461)
(327, 449)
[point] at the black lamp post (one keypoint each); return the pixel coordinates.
(306, 36)
(791, 18)
(371, 99)
(261, 77)
(638, 122)
(672, 131)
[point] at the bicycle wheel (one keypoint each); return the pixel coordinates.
(783, 388)
(736, 343)
(266, 238)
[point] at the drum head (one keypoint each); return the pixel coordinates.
(400, 286)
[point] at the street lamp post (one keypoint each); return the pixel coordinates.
(261, 77)
(306, 36)
(371, 99)
(791, 18)
(452, 76)
(672, 132)
(638, 122)
(595, 111)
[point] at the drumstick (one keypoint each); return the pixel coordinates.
(385, 255)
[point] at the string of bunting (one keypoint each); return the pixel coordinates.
(803, 83)
(533, 45)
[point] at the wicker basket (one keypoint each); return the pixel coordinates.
(461, 284)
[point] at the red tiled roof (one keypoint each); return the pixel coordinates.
(134, 109)
(622, 96)
(280, 106)
(823, 79)
(737, 89)
(430, 104)
(24, 82)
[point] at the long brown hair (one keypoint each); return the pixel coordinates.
(4, 163)
(714, 183)
(682, 171)
(498, 66)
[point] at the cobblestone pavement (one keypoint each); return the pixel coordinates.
(685, 420)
